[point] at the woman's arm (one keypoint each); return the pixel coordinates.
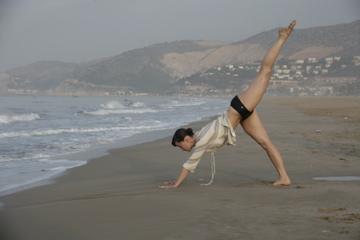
(182, 176)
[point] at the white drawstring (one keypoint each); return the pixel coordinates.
(212, 166)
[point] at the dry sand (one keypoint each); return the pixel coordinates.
(117, 196)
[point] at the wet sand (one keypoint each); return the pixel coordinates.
(117, 196)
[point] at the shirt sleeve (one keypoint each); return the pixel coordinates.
(194, 160)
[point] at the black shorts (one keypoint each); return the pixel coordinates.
(240, 108)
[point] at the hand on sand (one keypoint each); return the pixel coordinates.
(284, 33)
(168, 184)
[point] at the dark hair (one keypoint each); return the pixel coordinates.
(180, 134)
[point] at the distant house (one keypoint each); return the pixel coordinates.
(356, 60)
(312, 60)
(308, 68)
(329, 60)
(230, 66)
(286, 71)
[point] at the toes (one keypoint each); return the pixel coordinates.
(292, 25)
(285, 32)
(282, 182)
(278, 184)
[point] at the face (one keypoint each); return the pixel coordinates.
(187, 144)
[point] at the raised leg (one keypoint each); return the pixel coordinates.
(253, 94)
(256, 130)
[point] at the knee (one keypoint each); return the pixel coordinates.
(265, 143)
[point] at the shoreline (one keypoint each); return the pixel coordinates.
(118, 195)
(93, 153)
(99, 152)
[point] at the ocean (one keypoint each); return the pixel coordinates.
(39, 134)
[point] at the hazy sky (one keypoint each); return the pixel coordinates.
(81, 30)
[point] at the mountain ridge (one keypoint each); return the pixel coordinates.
(157, 67)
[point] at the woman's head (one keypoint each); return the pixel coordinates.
(183, 138)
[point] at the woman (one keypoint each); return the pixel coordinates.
(241, 111)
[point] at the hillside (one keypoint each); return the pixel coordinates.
(41, 75)
(156, 68)
(341, 39)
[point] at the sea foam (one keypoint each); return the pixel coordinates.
(115, 107)
(155, 126)
(178, 103)
(5, 119)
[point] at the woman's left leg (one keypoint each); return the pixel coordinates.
(255, 129)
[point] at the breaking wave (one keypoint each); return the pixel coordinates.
(5, 119)
(76, 130)
(177, 103)
(115, 107)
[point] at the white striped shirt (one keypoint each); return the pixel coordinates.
(209, 138)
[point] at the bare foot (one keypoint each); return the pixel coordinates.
(284, 33)
(284, 181)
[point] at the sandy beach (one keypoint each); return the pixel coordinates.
(117, 196)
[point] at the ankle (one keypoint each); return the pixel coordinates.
(283, 176)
